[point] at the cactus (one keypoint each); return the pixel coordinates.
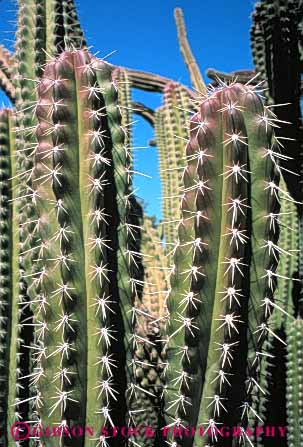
(6, 64)
(270, 403)
(219, 248)
(155, 270)
(275, 41)
(171, 131)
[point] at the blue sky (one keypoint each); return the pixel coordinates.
(144, 36)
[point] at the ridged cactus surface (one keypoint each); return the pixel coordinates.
(226, 260)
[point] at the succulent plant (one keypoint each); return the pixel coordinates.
(225, 263)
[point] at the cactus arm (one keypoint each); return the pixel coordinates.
(10, 311)
(146, 112)
(195, 75)
(170, 139)
(74, 36)
(258, 44)
(7, 86)
(227, 189)
(182, 284)
(127, 288)
(82, 197)
(279, 24)
(155, 271)
(6, 72)
(294, 383)
(220, 117)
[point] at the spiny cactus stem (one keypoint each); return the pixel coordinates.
(187, 54)
(71, 183)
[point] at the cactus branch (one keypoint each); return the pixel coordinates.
(195, 75)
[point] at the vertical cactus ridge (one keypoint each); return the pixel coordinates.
(289, 259)
(73, 34)
(163, 164)
(6, 72)
(122, 82)
(195, 75)
(258, 44)
(294, 383)
(155, 270)
(170, 138)
(71, 176)
(9, 307)
(276, 28)
(128, 232)
(216, 282)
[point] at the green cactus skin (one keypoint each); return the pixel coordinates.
(156, 270)
(171, 131)
(229, 129)
(10, 358)
(77, 127)
(128, 231)
(277, 25)
(74, 37)
(271, 403)
(123, 86)
(294, 383)
(82, 160)
(6, 66)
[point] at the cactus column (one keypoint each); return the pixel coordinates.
(222, 258)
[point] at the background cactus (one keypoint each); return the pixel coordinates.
(84, 272)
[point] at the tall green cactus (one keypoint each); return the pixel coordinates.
(225, 262)
(90, 288)
(171, 132)
(270, 399)
(275, 41)
(10, 304)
